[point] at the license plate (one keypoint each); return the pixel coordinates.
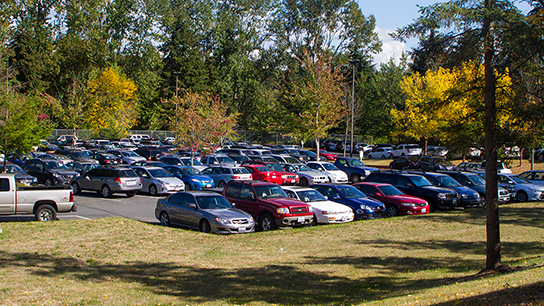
(177, 188)
(300, 220)
(241, 229)
(273, 176)
(131, 183)
(292, 181)
(209, 185)
(424, 210)
(344, 218)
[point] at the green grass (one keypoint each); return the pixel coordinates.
(423, 260)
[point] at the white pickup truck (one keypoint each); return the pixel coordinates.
(43, 202)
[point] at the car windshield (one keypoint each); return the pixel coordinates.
(519, 180)
(292, 152)
(350, 192)
(187, 162)
(159, 173)
(54, 165)
(302, 167)
(329, 167)
(212, 202)
(13, 169)
(291, 160)
(263, 169)
(389, 190)
(447, 181)
(240, 171)
(190, 171)
(476, 179)
(420, 181)
(443, 162)
(129, 154)
(269, 192)
(355, 163)
(311, 196)
(240, 158)
(90, 166)
(275, 167)
(79, 155)
(225, 160)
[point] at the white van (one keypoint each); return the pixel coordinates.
(137, 138)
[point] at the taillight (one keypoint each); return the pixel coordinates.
(71, 196)
(236, 177)
(106, 160)
(118, 180)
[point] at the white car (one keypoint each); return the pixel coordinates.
(157, 180)
(335, 175)
(407, 150)
(307, 175)
(325, 211)
(383, 153)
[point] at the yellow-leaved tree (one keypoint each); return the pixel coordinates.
(111, 104)
(448, 105)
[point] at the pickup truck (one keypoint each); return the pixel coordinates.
(268, 204)
(43, 202)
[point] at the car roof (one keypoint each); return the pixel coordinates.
(297, 188)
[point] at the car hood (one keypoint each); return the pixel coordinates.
(171, 180)
(366, 201)
(329, 205)
(311, 173)
(202, 178)
(463, 190)
(367, 168)
(283, 201)
(406, 198)
(530, 186)
(63, 172)
(438, 189)
(228, 213)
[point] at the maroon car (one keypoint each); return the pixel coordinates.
(395, 200)
(269, 205)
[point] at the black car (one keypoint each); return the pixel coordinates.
(468, 196)
(49, 171)
(419, 186)
(106, 159)
(152, 152)
(429, 163)
(404, 163)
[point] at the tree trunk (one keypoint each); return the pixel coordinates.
(493, 250)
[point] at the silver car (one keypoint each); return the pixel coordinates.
(108, 181)
(205, 211)
(157, 180)
(222, 175)
(307, 175)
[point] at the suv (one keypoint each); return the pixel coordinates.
(469, 197)
(419, 186)
(354, 168)
(476, 182)
(49, 171)
(108, 181)
(429, 163)
(268, 204)
(407, 150)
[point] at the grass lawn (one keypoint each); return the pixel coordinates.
(415, 260)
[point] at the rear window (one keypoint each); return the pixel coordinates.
(126, 173)
(240, 171)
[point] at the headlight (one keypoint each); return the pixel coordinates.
(328, 212)
(364, 207)
(464, 196)
(223, 220)
(195, 181)
(442, 196)
(311, 209)
(408, 204)
(283, 210)
(251, 219)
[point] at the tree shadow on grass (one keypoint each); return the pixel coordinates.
(277, 284)
(532, 294)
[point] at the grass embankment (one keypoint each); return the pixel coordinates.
(424, 260)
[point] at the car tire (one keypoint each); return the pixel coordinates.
(267, 222)
(188, 186)
(48, 182)
(105, 191)
(45, 213)
(392, 211)
(164, 219)
(131, 194)
(383, 156)
(221, 184)
(304, 181)
(521, 196)
(205, 226)
(153, 190)
(75, 188)
(314, 221)
(355, 178)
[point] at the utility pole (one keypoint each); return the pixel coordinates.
(352, 145)
(176, 73)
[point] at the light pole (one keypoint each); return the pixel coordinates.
(352, 145)
(176, 73)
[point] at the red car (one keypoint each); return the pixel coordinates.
(325, 154)
(396, 201)
(263, 173)
(287, 178)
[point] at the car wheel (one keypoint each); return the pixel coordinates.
(267, 223)
(153, 190)
(304, 181)
(164, 219)
(314, 221)
(221, 184)
(188, 186)
(383, 156)
(131, 194)
(106, 191)
(48, 182)
(205, 226)
(75, 188)
(521, 196)
(355, 178)
(392, 211)
(45, 213)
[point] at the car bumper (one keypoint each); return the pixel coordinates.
(339, 180)
(334, 219)
(295, 221)
(365, 214)
(219, 228)
(471, 202)
(403, 210)
(171, 188)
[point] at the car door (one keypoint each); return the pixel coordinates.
(191, 215)
(175, 208)
(144, 176)
(7, 197)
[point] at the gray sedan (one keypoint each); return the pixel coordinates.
(205, 211)
(157, 180)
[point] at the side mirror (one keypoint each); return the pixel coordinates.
(233, 204)
(469, 184)
(193, 206)
(377, 194)
(250, 197)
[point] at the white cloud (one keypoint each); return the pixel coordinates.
(390, 48)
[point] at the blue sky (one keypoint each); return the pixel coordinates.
(391, 15)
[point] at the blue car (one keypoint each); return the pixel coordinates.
(363, 206)
(354, 168)
(467, 197)
(192, 178)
